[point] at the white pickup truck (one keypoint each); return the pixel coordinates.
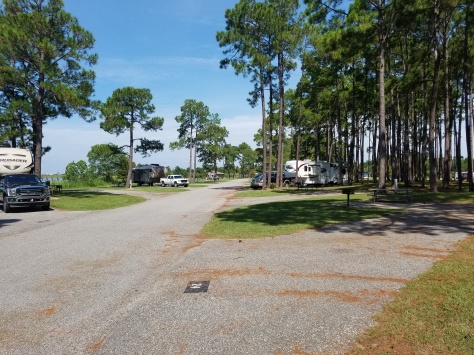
(174, 180)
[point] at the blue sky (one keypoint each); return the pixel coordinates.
(168, 47)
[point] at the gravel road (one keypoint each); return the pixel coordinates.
(113, 282)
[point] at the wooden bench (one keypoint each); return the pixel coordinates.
(391, 194)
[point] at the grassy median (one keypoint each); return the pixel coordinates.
(92, 200)
(286, 217)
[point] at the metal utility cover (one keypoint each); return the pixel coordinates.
(197, 286)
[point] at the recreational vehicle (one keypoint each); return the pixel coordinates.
(148, 174)
(317, 173)
(15, 161)
(291, 169)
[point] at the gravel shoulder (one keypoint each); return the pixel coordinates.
(113, 282)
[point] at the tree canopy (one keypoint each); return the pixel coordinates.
(44, 60)
(126, 110)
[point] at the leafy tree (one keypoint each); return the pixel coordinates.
(288, 35)
(108, 161)
(43, 52)
(126, 109)
(212, 142)
(193, 116)
(247, 159)
(179, 171)
(77, 172)
(231, 155)
(248, 42)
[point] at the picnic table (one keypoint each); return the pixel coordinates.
(391, 194)
(56, 188)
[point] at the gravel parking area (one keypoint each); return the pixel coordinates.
(113, 282)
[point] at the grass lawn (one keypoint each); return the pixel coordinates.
(92, 200)
(286, 217)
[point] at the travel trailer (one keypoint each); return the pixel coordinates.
(291, 169)
(148, 174)
(15, 161)
(317, 173)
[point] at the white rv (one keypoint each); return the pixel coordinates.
(291, 169)
(313, 173)
(317, 173)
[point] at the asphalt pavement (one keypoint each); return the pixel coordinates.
(141, 280)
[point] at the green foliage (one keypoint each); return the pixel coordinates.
(230, 154)
(286, 217)
(126, 109)
(191, 120)
(43, 53)
(78, 173)
(211, 142)
(92, 201)
(261, 41)
(108, 162)
(193, 116)
(247, 159)
(179, 171)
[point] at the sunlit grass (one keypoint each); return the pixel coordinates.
(286, 217)
(92, 200)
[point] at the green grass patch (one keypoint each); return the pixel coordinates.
(286, 217)
(433, 314)
(443, 196)
(92, 200)
(418, 195)
(291, 191)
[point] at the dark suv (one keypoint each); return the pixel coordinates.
(23, 190)
(257, 182)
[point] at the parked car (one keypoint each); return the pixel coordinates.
(257, 181)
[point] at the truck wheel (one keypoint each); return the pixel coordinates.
(163, 184)
(45, 207)
(185, 185)
(6, 206)
(286, 183)
(175, 184)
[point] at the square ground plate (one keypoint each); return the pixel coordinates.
(197, 286)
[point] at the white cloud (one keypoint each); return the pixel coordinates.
(242, 129)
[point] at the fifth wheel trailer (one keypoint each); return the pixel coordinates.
(318, 173)
(15, 161)
(148, 174)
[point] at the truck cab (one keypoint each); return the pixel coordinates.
(174, 180)
(23, 190)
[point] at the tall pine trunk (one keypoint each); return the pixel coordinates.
(434, 98)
